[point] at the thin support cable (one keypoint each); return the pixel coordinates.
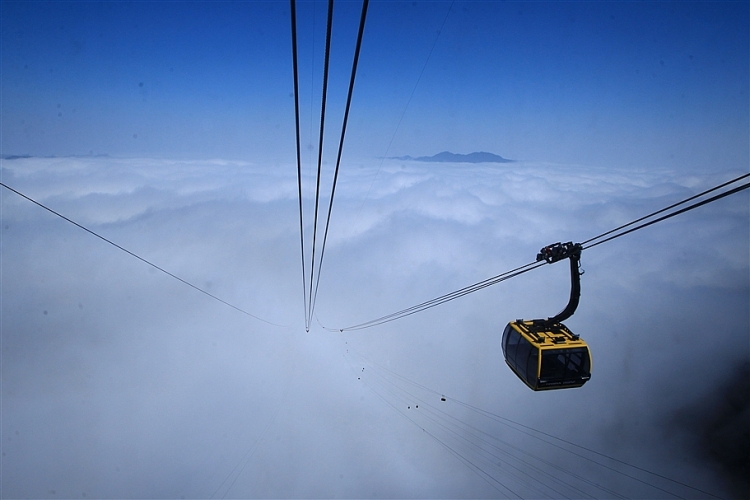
(320, 148)
(341, 147)
(678, 212)
(506, 421)
(443, 298)
(299, 158)
(403, 113)
(533, 265)
(485, 450)
(312, 85)
(252, 450)
(473, 467)
(665, 209)
(139, 257)
(503, 420)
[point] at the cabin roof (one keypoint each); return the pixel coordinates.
(547, 336)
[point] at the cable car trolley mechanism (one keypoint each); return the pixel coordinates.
(544, 353)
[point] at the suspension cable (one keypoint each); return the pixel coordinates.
(403, 113)
(506, 421)
(442, 299)
(320, 148)
(139, 257)
(534, 265)
(299, 158)
(341, 148)
(678, 212)
(665, 209)
(482, 473)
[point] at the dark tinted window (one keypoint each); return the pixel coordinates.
(565, 364)
(522, 356)
(506, 333)
(531, 367)
(510, 351)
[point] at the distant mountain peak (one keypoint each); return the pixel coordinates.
(448, 157)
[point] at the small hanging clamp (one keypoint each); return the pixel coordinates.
(559, 251)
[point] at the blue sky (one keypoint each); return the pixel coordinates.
(598, 83)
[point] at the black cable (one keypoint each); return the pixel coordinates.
(507, 421)
(443, 298)
(461, 432)
(320, 148)
(455, 294)
(139, 257)
(641, 469)
(683, 210)
(459, 436)
(533, 265)
(341, 147)
(299, 158)
(665, 209)
(403, 113)
(475, 468)
(253, 449)
(419, 78)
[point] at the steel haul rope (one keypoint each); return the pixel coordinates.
(320, 150)
(299, 158)
(398, 383)
(665, 217)
(612, 234)
(674, 205)
(403, 113)
(139, 257)
(341, 147)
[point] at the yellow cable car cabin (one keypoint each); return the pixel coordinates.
(546, 356)
(543, 353)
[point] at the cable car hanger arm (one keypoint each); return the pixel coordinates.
(559, 251)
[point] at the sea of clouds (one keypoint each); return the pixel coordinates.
(119, 381)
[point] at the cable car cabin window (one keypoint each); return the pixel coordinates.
(511, 338)
(532, 367)
(506, 332)
(565, 366)
(522, 356)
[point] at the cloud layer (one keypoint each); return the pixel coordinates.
(119, 381)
